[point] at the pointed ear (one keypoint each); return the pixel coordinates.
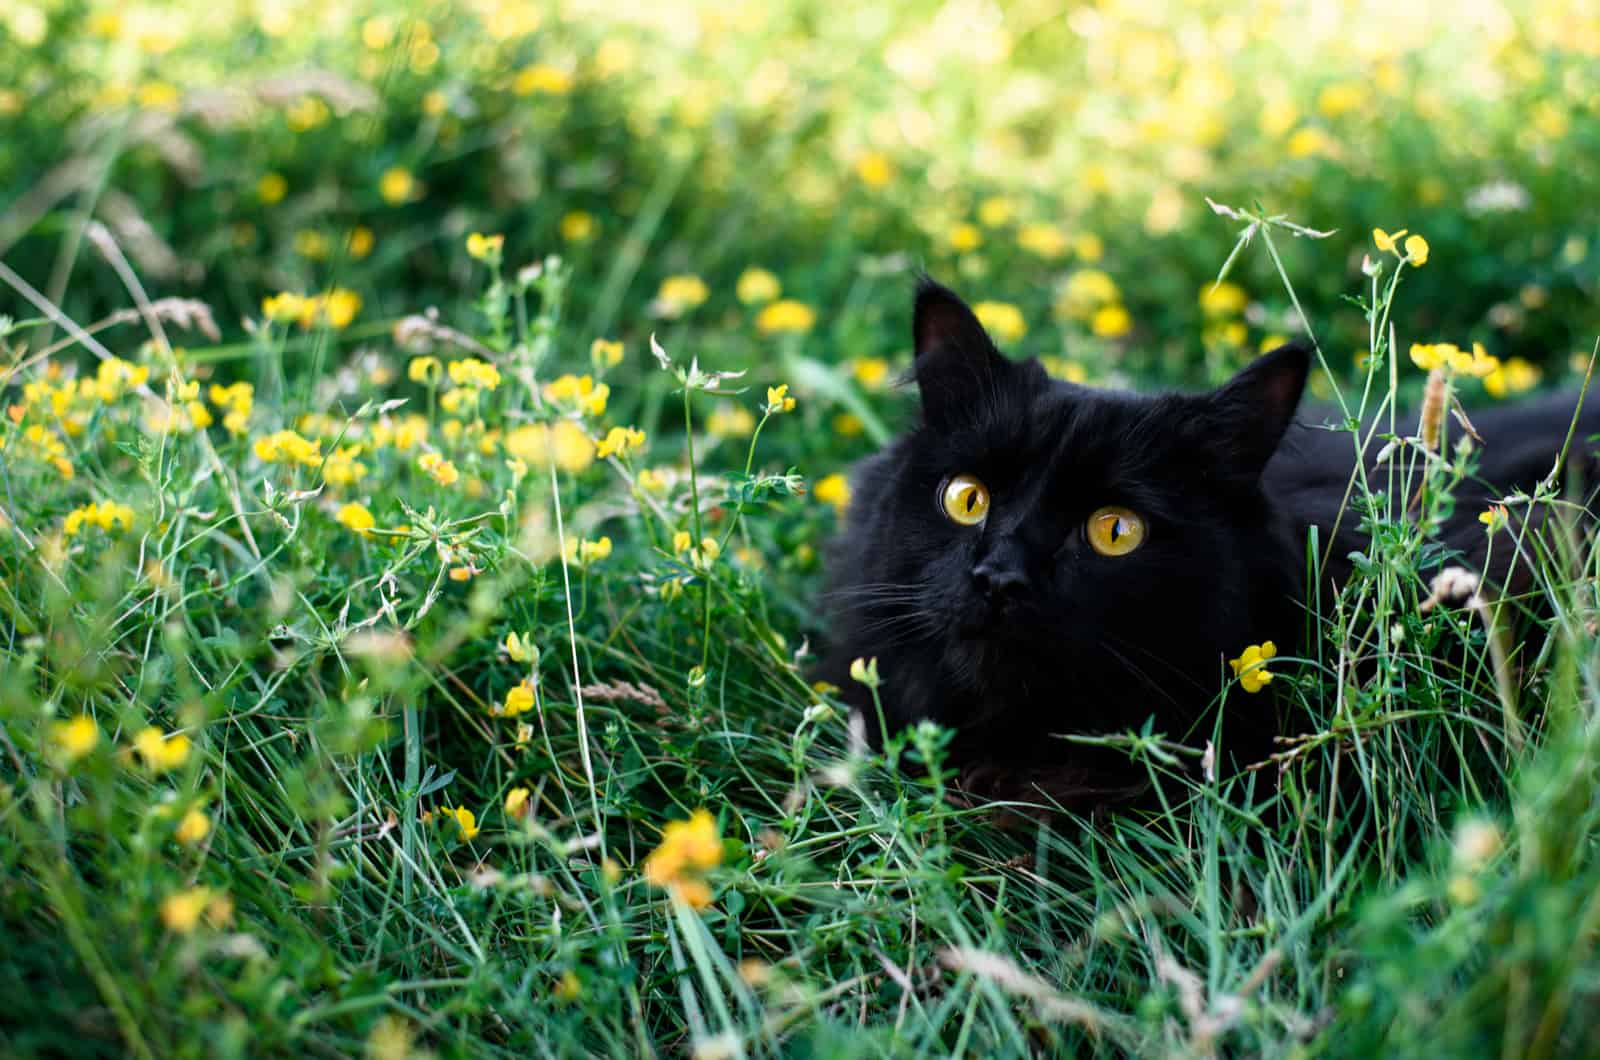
(955, 360)
(1253, 409)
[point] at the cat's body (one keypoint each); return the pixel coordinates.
(1031, 621)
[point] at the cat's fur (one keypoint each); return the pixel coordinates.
(1015, 630)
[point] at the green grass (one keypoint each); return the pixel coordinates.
(1419, 879)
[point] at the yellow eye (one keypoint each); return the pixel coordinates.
(1115, 531)
(966, 500)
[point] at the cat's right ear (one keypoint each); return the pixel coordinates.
(956, 363)
(1253, 409)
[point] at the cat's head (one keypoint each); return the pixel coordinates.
(1052, 557)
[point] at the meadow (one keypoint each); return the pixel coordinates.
(425, 424)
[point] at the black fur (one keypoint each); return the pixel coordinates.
(1088, 643)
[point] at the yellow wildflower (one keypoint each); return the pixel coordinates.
(339, 307)
(1085, 291)
(848, 425)
(679, 294)
(964, 237)
(161, 753)
(577, 226)
(271, 188)
(618, 441)
(107, 517)
(311, 244)
(1386, 242)
(356, 517)
(516, 805)
(194, 827)
(1494, 517)
(756, 286)
(520, 647)
(604, 353)
(785, 316)
(1222, 299)
(996, 211)
(425, 370)
(72, 739)
(360, 242)
(585, 552)
(688, 850)
(563, 442)
(470, 371)
(1417, 250)
(1111, 322)
(1250, 666)
(580, 392)
(1002, 319)
(181, 912)
(874, 169)
(1512, 377)
(778, 400)
(284, 307)
(485, 248)
(519, 700)
(439, 469)
(466, 821)
(834, 490)
(728, 420)
(542, 79)
(287, 447)
(1046, 241)
(397, 185)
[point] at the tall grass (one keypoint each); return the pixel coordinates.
(1418, 876)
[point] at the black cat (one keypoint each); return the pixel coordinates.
(1036, 557)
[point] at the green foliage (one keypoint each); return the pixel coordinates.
(362, 663)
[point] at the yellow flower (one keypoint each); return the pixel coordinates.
(161, 753)
(360, 242)
(870, 372)
(996, 211)
(618, 441)
(874, 169)
(778, 400)
(604, 353)
(757, 285)
(1417, 250)
(339, 307)
(542, 78)
(865, 672)
(519, 700)
(517, 802)
(679, 294)
(1386, 242)
(964, 237)
(485, 248)
(426, 370)
(586, 552)
(687, 851)
(287, 447)
(470, 371)
(397, 185)
(71, 740)
(1046, 241)
(848, 425)
(1089, 247)
(1512, 377)
(521, 648)
(728, 420)
(785, 315)
(1085, 291)
(271, 188)
(181, 912)
(108, 517)
(1429, 356)
(1111, 322)
(577, 226)
(356, 517)
(1494, 517)
(439, 469)
(194, 827)
(564, 443)
(653, 481)
(1222, 299)
(1250, 667)
(466, 821)
(311, 244)
(284, 307)
(1001, 319)
(580, 392)
(834, 490)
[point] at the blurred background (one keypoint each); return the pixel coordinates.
(1053, 158)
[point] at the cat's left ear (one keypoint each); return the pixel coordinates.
(1253, 409)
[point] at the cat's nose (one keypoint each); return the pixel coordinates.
(996, 582)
